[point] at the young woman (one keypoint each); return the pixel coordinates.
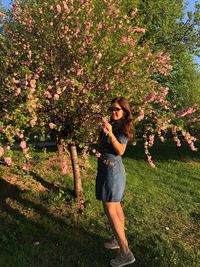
(110, 180)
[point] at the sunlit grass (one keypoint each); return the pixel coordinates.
(39, 225)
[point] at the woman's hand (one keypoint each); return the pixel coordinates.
(107, 127)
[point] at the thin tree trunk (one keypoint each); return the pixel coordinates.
(60, 145)
(62, 154)
(85, 158)
(76, 172)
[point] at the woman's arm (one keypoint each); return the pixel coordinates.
(119, 148)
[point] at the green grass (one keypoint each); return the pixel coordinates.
(161, 209)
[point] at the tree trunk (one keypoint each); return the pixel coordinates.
(62, 154)
(85, 158)
(76, 172)
(60, 145)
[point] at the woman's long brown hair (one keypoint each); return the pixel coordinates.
(127, 120)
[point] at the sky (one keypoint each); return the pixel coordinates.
(190, 7)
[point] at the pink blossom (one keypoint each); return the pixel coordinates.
(25, 167)
(90, 38)
(184, 133)
(151, 96)
(33, 121)
(79, 72)
(47, 94)
(66, 28)
(166, 107)
(139, 30)
(105, 130)
(32, 90)
(30, 53)
(23, 144)
(64, 167)
(192, 147)
(67, 10)
(8, 161)
(94, 151)
(20, 135)
(17, 91)
(106, 87)
(33, 83)
(64, 170)
(40, 10)
(59, 9)
(56, 96)
(162, 138)
(151, 140)
(141, 115)
(152, 164)
(7, 148)
(174, 129)
(134, 12)
(177, 140)
(77, 32)
(15, 81)
(185, 112)
(159, 98)
(58, 91)
(149, 159)
(27, 155)
(97, 154)
(99, 56)
(99, 25)
(130, 53)
(52, 125)
(164, 91)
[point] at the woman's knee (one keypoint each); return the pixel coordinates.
(110, 208)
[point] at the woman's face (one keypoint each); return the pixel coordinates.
(116, 112)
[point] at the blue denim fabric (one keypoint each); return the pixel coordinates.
(110, 180)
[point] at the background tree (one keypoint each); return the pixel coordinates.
(62, 68)
(1, 16)
(168, 28)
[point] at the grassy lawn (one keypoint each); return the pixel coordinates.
(40, 225)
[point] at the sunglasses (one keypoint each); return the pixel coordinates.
(114, 109)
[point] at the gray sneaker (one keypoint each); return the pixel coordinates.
(112, 244)
(122, 260)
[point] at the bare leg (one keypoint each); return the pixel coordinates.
(116, 224)
(120, 213)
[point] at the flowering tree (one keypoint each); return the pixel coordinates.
(63, 62)
(160, 117)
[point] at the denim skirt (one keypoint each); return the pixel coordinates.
(110, 180)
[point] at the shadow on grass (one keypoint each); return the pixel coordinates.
(163, 151)
(38, 238)
(196, 216)
(59, 242)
